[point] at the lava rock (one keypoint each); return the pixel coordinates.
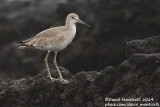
(136, 77)
(148, 45)
(41, 91)
(139, 75)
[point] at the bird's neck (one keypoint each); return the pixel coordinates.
(71, 26)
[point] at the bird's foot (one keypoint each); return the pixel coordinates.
(53, 79)
(63, 81)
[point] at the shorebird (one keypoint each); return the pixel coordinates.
(54, 39)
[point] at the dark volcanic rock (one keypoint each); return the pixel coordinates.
(136, 77)
(139, 77)
(148, 45)
(85, 88)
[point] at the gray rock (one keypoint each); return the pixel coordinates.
(148, 45)
(137, 77)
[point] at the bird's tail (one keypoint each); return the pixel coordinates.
(22, 45)
(19, 41)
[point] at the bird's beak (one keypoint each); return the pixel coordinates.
(80, 21)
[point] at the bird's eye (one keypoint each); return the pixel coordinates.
(72, 17)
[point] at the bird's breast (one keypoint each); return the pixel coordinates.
(69, 37)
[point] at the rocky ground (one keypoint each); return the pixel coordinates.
(138, 76)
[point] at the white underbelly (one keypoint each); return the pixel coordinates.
(69, 36)
(64, 44)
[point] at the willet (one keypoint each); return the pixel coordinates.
(54, 39)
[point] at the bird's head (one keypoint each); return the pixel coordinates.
(73, 18)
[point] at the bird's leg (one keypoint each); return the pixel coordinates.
(46, 62)
(60, 75)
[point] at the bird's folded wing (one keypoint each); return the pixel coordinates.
(45, 41)
(47, 37)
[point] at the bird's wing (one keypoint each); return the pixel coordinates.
(46, 37)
